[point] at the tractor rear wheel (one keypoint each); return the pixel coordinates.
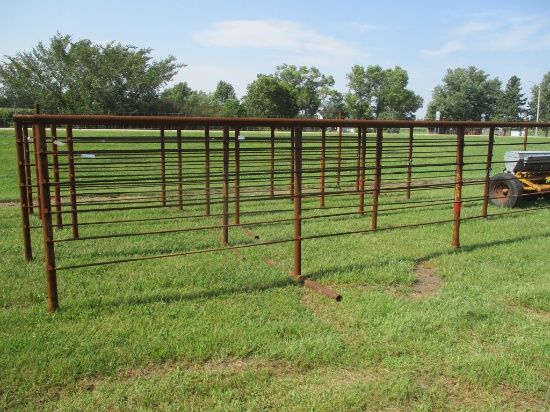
(505, 190)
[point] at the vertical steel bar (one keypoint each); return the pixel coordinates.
(292, 161)
(21, 172)
(488, 165)
(72, 180)
(225, 187)
(272, 164)
(35, 133)
(207, 170)
(458, 185)
(47, 226)
(28, 169)
(163, 166)
(237, 180)
(362, 169)
(57, 189)
(297, 195)
(339, 151)
(525, 138)
(180, 169)
(410, 160)
(377, 177)
(322, 171)
(358, 160)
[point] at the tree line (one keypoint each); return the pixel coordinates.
(69, 76)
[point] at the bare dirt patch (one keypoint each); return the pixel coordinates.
(5, 205)
(428, 282)
(533, 313)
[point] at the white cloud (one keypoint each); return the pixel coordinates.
(531, 32)
(285, 36)
(472, 28)
(363, 28)
(543, 42)
(496, 32)
(450, 47)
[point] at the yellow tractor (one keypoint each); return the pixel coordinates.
(525, 173)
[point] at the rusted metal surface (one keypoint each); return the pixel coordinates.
(297, 198)
(488, 168)
(308, 282)
(208, 177)
(236, 179)
(322, 166)
(362, 167)
(458, 185)
(72, 181)
(180, 169)
(28, 175)
(20, 143)
(46, 212)
(55, 169)
(409, 162)
(377, 178)
(225, 187)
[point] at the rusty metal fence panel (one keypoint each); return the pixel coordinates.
(222, 187)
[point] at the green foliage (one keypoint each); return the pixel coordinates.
(224, 91)
(69, 76)
(466, 94)
(312, 87)
(333, 105)
(268, 96)
(380, 94)
(181, 99)
(225, 95)
(358, 99)
(199, 103)
(6, 115)
(542, 105)
(511, 106)
(173, 98)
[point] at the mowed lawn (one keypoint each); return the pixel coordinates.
(421, 326)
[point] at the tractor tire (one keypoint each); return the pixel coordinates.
(505, 190)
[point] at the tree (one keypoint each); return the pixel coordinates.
(542, 105)
(466, 94)
(394, 101)
(232, 108)
(380, 94)
(224, 91)
(311, 86)
(511, 105)
(172, 99)
(200, 103)
(268, 96)
(357, 100)
(227, 98)
(332, 105)
(181, 99)
(69, 76)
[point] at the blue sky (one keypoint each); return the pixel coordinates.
(236, 40)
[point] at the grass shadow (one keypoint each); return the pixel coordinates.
(172, 296)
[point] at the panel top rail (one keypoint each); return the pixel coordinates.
(159, 121)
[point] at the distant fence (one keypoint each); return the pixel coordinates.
(231, 183)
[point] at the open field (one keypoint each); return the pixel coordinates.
(422, 326)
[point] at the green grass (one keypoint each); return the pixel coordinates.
(210, 332)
